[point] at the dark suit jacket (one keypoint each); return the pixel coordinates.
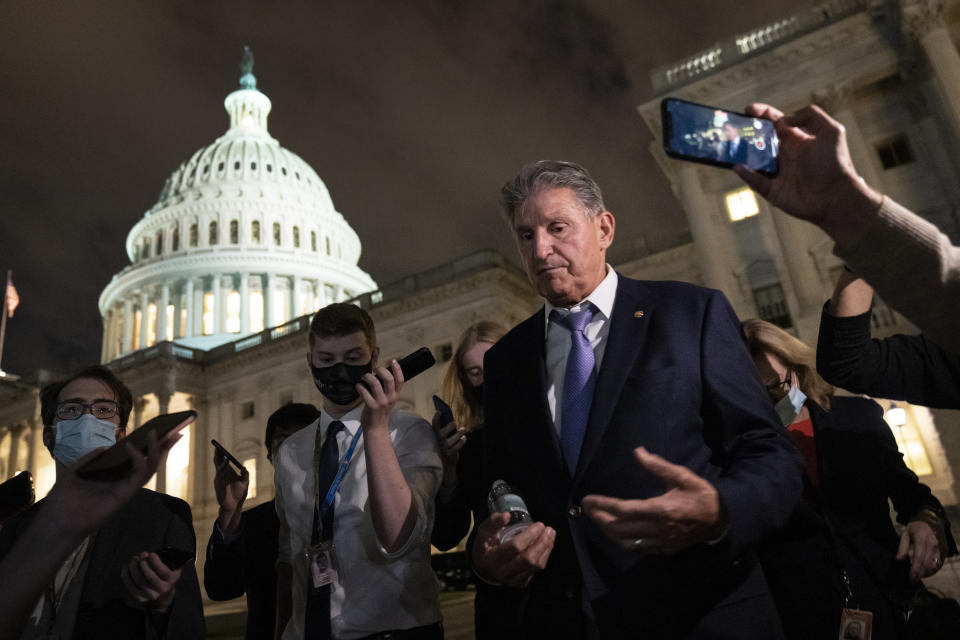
(739, 156)
(859, 469)
(150, 521)
(247, 565)
(676, 379)
(901, 367)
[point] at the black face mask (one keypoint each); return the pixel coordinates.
(338, 383)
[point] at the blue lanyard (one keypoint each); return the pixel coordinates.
(341, 471)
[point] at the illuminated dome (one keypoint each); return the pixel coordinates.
(244, 236)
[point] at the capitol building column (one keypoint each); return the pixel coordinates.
(268, 300)
(713, 239)
(923, 23)
(296, 283)
(217, 305)
(162, 312)
(244, 302)
(127, 346)
(188, 302)
(144, 301)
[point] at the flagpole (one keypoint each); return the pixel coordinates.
(3, 322)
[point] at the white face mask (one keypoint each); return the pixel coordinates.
(78, 437)
(790, 405)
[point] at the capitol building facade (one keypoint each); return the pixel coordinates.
(244, 243)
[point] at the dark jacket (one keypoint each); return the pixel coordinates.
(247, 565)
(845, 524)
(149, 522)
(677, 379)
(901, 367)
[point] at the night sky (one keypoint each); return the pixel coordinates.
(412, 113)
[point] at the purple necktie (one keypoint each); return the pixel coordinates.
(578, 382)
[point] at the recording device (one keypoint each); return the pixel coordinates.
(16, 494)
(446, 413)
(503, 498)
(114, 462)
(174, 558)
(226, 454)
(416, 363)
(715, 136)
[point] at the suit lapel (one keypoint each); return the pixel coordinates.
(531, 390)
(628, 328)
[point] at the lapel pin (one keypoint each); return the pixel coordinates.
(638, 313)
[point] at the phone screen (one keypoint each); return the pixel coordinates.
(718, 137)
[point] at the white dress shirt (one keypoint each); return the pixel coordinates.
(558, 338)
(377, 590)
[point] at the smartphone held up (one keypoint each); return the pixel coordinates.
(715, 136)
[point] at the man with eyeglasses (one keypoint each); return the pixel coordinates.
(113, 584)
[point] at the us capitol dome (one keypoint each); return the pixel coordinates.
(243, 237)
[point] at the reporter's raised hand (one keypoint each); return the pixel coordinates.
(817, 181)
(515, 562)
(687, 514)
(379, 391)
(231, 490)
(451, 439)
(149, 582)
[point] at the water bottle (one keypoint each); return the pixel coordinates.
(503, 498)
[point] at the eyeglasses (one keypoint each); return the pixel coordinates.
(100, 409)
(780, 388)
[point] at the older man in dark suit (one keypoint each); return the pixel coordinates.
(629, 416)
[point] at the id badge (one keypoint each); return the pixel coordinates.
(322, 571)
(855, 624)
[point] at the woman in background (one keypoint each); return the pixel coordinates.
(839, 552)
(461, 450)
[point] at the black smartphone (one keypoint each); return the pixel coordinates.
(718, 137)
(416, 363)
(174, 558)
(226, 454)
(16, 494)
(114, 462)
(446, 413)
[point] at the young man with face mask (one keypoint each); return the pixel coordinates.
(114, 583)
(355, 493)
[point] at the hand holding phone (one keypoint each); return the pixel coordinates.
(114, 462)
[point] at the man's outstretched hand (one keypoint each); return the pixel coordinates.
(687, 514)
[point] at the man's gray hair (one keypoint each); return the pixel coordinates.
(551, 174)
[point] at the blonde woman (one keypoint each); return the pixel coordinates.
(839, 551)
(461, 449)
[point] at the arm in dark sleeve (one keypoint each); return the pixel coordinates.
(185, 617)
(760, 484)
(909, 496)
(901, 367)
(452, 518)
(223, 565)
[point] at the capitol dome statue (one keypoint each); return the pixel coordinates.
(243, 237)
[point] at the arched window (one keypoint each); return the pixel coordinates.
(208, 303)
(296, 237)
(276, 233)
(313, 241)
(255, 231)
(234, 232)
(159, 250)
(214, 235)
(328, 244)
(146, 248)
(176, 239)
(256, 311)
(193, 234)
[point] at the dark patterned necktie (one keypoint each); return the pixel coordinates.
(317, 623)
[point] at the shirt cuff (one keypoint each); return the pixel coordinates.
(225, 537)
